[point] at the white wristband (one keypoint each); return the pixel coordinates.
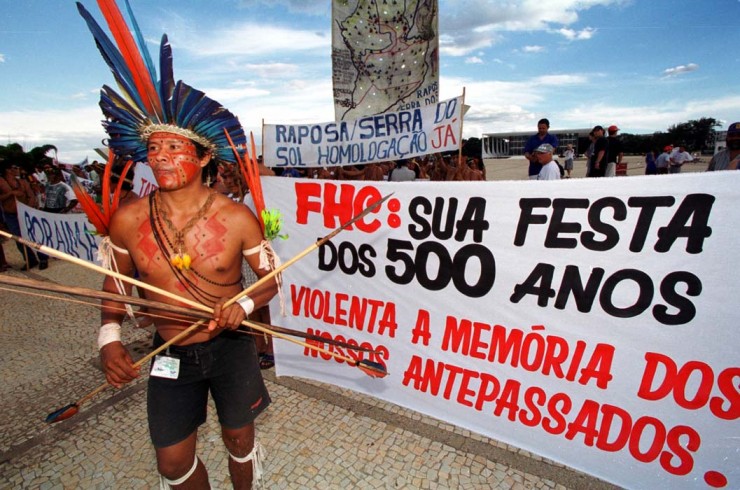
(110, 332)
(246, 303)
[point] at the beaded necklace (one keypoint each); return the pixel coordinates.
(180, 258)
(159, 232)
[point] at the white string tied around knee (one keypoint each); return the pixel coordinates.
(257, 457)
(167, 484)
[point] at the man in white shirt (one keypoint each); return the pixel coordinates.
(678, 158)
(60, 198)
(550, 169)
(403, 172)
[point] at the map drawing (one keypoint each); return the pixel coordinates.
(384, 56)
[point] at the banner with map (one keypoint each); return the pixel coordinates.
(385, 57)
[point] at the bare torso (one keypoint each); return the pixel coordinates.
(215, 243)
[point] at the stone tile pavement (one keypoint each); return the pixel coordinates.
(316, 435)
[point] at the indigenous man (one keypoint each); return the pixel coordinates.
(186, 239)
(13, 189)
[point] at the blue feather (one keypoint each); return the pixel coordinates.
(142, 45)
(166, 76)
(112, 57)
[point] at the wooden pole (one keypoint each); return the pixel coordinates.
(462, 120)
(165, 307)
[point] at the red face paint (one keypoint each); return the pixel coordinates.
(173, 159)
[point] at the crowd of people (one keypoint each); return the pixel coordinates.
(45, 188)
(605, 154)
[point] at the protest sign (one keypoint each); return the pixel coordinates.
(589, 324)
(69, 233)
(389, 136)
(384, 59)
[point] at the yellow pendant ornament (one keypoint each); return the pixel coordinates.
(181, 260)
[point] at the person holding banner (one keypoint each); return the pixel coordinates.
(13, 189)
(189, 241)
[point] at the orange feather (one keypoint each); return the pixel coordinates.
(250, 172)
(132, 56)
(105, 184)
(90, 207)
(117, 193)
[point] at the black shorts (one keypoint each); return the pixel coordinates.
(227, 366)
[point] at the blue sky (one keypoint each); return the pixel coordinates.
(641, 64)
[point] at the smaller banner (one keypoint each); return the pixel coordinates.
(69, 233)
(383, 137)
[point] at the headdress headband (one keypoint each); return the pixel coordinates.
(149, 104)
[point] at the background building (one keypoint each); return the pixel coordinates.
(502, 145)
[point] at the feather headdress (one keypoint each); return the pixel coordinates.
(148, 103)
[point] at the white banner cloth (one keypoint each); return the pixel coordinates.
(70, 233)
(588, 321)
(391, 136)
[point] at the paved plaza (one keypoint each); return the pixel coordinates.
(316, 435)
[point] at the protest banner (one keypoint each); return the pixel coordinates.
(589, 324)
(384, 59)
(390, 136)
(70, 233)
(144, 181)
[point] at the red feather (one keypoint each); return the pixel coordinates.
(90, 207)
(255, 183)
(117, 193)
(105, 183)
(250, 171)
(132, 56)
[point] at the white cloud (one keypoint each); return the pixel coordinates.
(498, 106)
(465, 43)
(680, 70)
(559, 80)
(533, 49)
(311, 7)
(473, 60)
(272, 70)
(572, 35)
(248, 40)
(471, 24)
(75, 131)
(2, 58)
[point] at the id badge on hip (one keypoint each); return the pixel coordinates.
(165, 367)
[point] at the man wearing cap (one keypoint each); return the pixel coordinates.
(549, 169)
(678, 158)
(597, 164)
(614, 152)
(542, 136)
(729, 158)
(664, 160)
